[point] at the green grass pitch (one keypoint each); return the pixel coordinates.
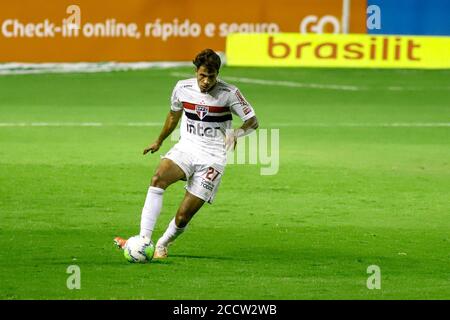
(353, 189)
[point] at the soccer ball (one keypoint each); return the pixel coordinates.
(139, 249)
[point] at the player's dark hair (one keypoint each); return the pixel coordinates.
(209, 59)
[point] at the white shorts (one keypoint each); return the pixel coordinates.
(203, 175)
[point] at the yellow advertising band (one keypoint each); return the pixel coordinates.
(338, 50)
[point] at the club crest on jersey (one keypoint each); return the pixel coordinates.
(201, 111)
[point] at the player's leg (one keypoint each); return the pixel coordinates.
(188, 208)
(167, 173)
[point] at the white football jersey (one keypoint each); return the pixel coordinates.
(207, 116)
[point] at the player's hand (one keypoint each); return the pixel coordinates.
(152, 148)
(230, 141)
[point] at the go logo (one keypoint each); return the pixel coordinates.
(314, 24)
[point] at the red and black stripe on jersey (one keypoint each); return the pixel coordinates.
(215, 114)
(194, 116)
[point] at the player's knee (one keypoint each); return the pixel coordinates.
(182, 219)
(158, 182)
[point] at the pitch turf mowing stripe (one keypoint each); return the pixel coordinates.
(310, 85)
(271, 125)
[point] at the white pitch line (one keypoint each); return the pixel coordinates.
(290, 84)
(270, 125)
(295, 84)
(83, 67)
(65, 124)
(366, 125)
(80, 124)
(141, 124)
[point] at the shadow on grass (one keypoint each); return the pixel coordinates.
(200, 257)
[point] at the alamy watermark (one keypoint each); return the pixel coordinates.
(74, 280)
(259, 147)
(374, 280)
(374, 17)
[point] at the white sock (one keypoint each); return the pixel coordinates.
(151, 211)
(171, 234)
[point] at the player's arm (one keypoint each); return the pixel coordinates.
(244, 110)
(171, 123)
(247, 127)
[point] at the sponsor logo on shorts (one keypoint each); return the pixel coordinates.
(207, 185)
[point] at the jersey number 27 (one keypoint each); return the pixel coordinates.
(212, 174)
